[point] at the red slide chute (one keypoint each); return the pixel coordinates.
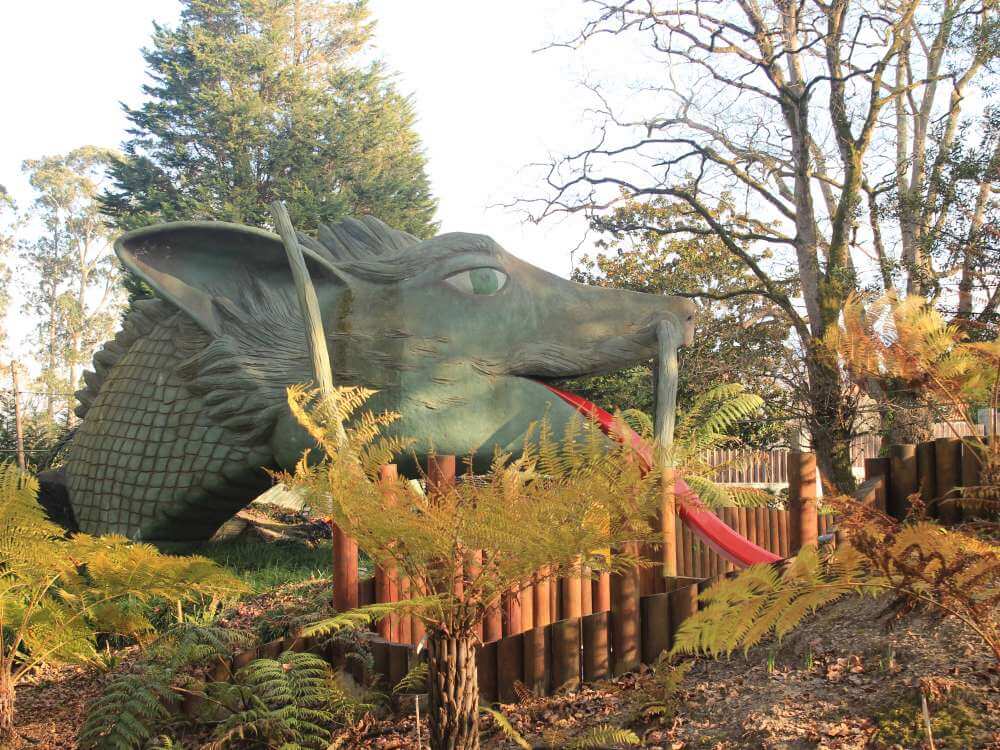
(709, 527)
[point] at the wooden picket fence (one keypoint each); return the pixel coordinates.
(769, 467)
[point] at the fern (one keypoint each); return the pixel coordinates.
(660, 696)
(556, 505)
(740, 612)
(136, 705)
(603, 736)
(921, 565)
(58, 594)
(415, 680)
(130, 710)
(282, 702)
(506, 727)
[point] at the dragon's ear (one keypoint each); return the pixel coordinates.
(190, 263)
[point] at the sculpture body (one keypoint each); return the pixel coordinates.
(186, 407)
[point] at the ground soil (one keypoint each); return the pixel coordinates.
(840, 682)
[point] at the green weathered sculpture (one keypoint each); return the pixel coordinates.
(187, 406)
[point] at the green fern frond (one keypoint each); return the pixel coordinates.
(506, 727)
(128, 712)
(603, 736)
(281, 702)
(364, 616)
(415, 680)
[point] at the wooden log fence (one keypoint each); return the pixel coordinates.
(557, 633)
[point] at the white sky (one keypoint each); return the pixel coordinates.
(487, 103)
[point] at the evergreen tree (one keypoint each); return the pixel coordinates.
(9, 223)
(257, 100)
(74, 287)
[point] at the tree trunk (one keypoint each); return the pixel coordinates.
(831, 423)
(6, 709)
(50, 402)
(453, 720)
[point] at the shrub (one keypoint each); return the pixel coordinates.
(58, 595)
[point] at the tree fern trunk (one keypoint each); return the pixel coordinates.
(453, 720)
(6, 708)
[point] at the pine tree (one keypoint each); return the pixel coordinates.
(257, 100)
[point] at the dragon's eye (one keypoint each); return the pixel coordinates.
(483, 280)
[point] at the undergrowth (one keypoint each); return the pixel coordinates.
(955, 723)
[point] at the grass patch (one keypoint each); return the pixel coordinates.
(265, 567)
(956, 724)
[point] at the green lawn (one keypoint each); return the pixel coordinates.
(265, 567)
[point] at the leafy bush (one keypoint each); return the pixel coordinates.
(921, 564)
(137, 704)
(288, 702)
(59, 595)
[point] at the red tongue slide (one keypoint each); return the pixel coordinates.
(709, 527)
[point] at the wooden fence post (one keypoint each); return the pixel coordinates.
(879, 467)
(596, 647)
(586, 592)
(572, 604)
(510, 667)
(486, 666)
(386, 588)
(668, 525)
(625, 635)
(511, 620)
(440, 474)
(345, 571)
(683, 602)
(540, 605)
(527, 607)
(903, 478)
(565, 644)
(927, 473)
(773, 525)
(473, 566)
(803, 520)
(948, 452)
(405, 625)
(972, 457)
(602, 592)
(537, 659)
(655, 626)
